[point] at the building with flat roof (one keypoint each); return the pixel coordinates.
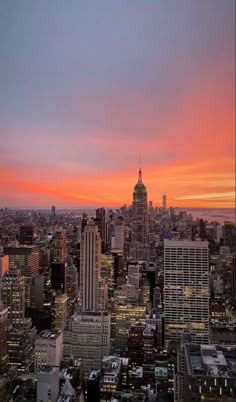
(48, 349)
(186, 290)
(87, 337)
(208, 372)
(110, 376)
(48, 384)
(26, 258)
(20, 350)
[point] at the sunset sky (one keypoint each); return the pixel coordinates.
(88, 86)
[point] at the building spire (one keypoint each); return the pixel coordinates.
(140, 175)
(140, 170)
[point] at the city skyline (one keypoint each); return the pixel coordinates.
(88, 87)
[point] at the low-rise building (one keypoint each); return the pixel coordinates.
(207, 372)
(48, 349)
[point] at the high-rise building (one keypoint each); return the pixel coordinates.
(20, 350)
(164, 202)
(119, 233)
(233, 274)
(13, 295)
(101, 224)
(92, 290)
(27, 259)
(58, 276)
(87, 337)
(27, 235)
(53, 214)
(3, 339)
(134, 275)
(4, 265)
(123, 315)
(229, 235)
(59, 312)
(139, 249)
(48, 349)
(186, 289)
(60, 246)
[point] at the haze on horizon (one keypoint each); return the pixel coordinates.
(86, 87)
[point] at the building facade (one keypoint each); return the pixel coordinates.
(186, 290)
(92, 292)
(87, 337)
(13, 295)
(48, 349)
(27, 259)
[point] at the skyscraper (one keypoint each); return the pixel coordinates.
(13, 294)
(27, 259)
(60, 246)
(27, 235)
(101, 224)
(3, 339)
(119, 233)
(139, 249)
(186, 289)
(164, 202)
(53, 214)
(91, 290)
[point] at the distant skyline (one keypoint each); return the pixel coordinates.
(88, 87)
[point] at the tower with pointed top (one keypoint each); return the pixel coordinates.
(139, 247)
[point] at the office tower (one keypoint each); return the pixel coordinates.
(100, 221)
(123, 315)
(27, 259)
(53, 215)
(26, 235)
(4, 265)
(58, 276)
(233, 273)
(48, 349)
(135, 344)
(13, 295)
(118, 267)
(119, 233)
(38, 288)
(59, 312)
(3, 339)
(139, 221)
(72, 283)
(20, 350)
(87, 337)
(229, 235)
(134, 275)
(60, 246)
(164, 202)
(92, 292)
(186, 289)
(48, 384)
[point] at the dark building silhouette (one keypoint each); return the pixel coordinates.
(27, 235)
(58, 276)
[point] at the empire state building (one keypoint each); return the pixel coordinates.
(139, 240)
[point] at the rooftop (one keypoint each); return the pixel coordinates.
(49, 334)
(211, 360)
(111, 364)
